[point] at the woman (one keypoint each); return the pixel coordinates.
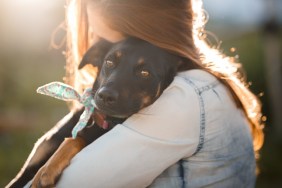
(204, 130)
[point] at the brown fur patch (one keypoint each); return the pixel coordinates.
(141, 61)
(118, 54)
(146, 100)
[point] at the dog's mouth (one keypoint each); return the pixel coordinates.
(117, 111)
(106, 121)
(110, 111)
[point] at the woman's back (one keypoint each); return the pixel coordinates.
(224, 156)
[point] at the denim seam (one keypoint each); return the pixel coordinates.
(199, 92)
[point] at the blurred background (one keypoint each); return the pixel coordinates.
(251, 29)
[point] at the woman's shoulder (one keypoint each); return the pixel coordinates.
(182, 93)
(189, 82)
(198, 77)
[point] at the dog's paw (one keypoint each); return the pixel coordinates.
(46, 180)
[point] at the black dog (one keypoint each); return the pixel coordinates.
(132, 74)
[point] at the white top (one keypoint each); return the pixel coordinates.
(144, 145)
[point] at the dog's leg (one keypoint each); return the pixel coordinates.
(50, 172)
(44, 148)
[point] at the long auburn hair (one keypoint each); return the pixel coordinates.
(177, 26)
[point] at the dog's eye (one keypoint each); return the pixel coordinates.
(144, 73)
(109, 64)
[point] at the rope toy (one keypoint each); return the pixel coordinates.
(65, 92)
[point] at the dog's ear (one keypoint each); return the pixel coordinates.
(95, 54)
(176, 64)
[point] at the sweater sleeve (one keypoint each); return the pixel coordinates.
(134, 153)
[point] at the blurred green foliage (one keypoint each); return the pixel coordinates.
(24, 114)
(250, 49)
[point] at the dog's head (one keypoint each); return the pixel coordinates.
(132, 74)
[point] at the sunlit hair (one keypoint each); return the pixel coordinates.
(183, 33)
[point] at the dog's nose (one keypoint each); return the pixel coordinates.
(107, 96)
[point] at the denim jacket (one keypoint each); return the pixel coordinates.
(192, 136)
(224, 157)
